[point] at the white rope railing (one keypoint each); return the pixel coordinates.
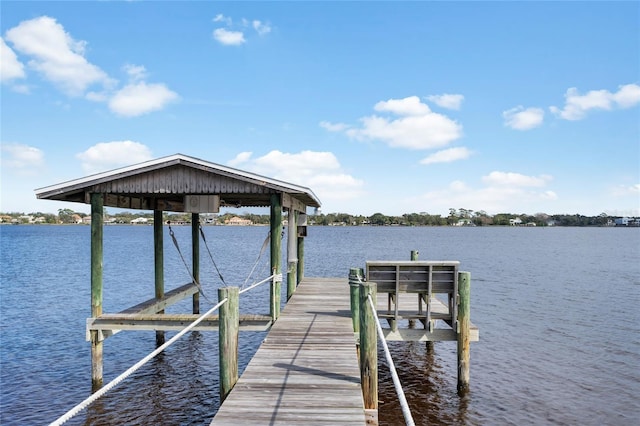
(98, 394)
(406, 412)
(275, 277)
(84, 404)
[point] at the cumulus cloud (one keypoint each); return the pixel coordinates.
(10, 67)
(577, 105)
(56, 55)
(23, 159)
(447, 100)
(318, 170)
(228, 38)
(61, 60)
(231, 34)
(447, 156)
(141, 98)
(110, 155)
(520, 118)
(515, 179)
(408, 124)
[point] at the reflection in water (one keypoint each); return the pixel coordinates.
(178, 386)
(428, 382)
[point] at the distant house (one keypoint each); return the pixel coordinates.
(235, 220)
(86, 220)
(515, 222)
(140, 221)
(76, 218)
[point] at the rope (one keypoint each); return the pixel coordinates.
(210, 256)
(175, 243)
(406, 412)
(277, 277)
(84, 404)
(262, 250)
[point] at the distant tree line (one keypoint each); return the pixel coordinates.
(456, 217)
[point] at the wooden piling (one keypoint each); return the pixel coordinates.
(354, 292)
(292, 256)
(368, 347)
(300, 265)
(228, 339)
(412, 322)
(275, 248)
(97, 205)
(158, 245)
(464, 336)
(195, 258)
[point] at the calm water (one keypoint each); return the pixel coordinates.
(557, 310)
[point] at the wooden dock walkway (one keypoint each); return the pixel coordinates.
(306, 371)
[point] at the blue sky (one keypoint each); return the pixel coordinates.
(391, 107)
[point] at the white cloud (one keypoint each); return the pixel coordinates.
(110, 155)
(407, 106)
(221, 18)
(22, 158)
(228, 38)
(234, 35)
(447, 100)
(141, 98)
(626, 190)
(447, 156)
(627, 96)
(261, 28)
(320, 171)
(501, 192)
(417, 127)
(239, 159)
(577, 105)
(520, 118)
(135, 72)
(10, 67)
(515, 179)
(56, 55)
(333, 127)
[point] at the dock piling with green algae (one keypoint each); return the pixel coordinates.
(228, 339)
(368, 346)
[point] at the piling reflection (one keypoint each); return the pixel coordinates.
(427, 382)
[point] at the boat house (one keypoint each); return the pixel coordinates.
(179, 183)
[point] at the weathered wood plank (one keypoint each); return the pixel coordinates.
(306, 371)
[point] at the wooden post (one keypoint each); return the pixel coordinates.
(354, 292)
(195, 257)
(412, 322)
(158, 245)
(276, 254)
(292, 256)
(300, 274)
(464, 337)
(97, 205)
(228, 339)
(368, 347)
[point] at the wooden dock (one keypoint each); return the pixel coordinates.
(306, 371)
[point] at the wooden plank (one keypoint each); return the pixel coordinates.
(154, 305)
(109, 324)
(306, 371)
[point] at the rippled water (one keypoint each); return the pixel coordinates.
(557, 311)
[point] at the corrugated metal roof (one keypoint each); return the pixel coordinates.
(162, 184)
